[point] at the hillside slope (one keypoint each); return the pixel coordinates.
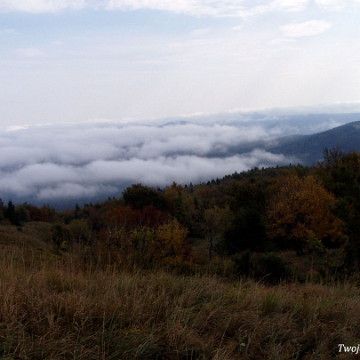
(309, 148)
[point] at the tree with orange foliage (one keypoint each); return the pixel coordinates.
(171, 238)
(142, 237)
(300, 212)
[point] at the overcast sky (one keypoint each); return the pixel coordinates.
(75, 60)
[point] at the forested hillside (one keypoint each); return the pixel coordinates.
(308, 148)
(250, 218)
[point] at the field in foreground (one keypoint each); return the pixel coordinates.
(54, 307)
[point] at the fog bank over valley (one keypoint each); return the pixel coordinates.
(61, 164)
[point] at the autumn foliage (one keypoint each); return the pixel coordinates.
(300, 211)
(305, 210)
(142, 237)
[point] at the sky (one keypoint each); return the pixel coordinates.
(98, 94)
(130, 60)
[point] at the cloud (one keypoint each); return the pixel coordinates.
(335, 5)
(189, 7)
(94, 160)
(308, 28)
(218, 8)
(42, 6)
(44, 163)
(279, 6)
(291, 5)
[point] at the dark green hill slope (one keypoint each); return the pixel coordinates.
(309, 148)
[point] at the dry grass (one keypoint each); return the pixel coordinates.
(59, 309)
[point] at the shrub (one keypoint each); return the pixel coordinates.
(267, 267)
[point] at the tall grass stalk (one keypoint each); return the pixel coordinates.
(61, 309)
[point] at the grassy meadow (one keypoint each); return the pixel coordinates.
(56, 306)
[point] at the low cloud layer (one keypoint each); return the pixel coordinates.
(94, 160)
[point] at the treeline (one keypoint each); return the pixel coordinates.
(251, 219)
(19, 214)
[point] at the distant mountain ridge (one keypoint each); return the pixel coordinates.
(309, 148)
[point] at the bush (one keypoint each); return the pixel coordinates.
(273, 268)
(267, 267)
(244, 263)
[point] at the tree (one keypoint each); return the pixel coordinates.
(22, 214)
(340, 174)
(138, 196)
(80, 231)
(61, 236)
(216, 221)
(332, 157)
(142, 237)
(247, 230)
(171, 242)
(181, 206)
(11, 214)
(144, 246)
(300, 212)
